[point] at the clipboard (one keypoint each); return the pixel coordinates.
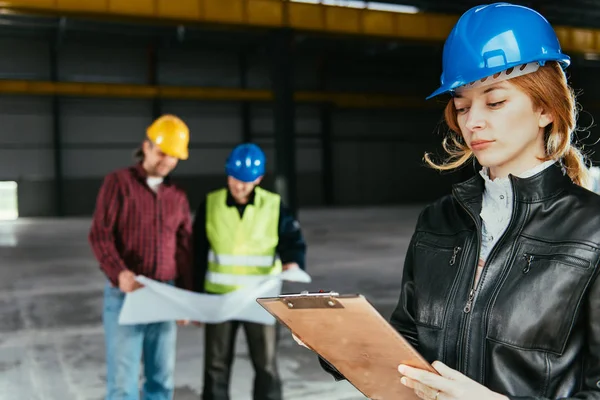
(350, 334)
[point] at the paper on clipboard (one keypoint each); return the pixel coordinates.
(349, 333)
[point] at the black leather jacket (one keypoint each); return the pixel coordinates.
(531, 329)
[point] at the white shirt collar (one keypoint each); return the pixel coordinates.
(496, 207)
(154, 182)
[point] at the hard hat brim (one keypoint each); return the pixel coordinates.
(183, 155)
(563, 59)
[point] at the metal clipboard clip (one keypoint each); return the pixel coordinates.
(311, 300)
(306, 293)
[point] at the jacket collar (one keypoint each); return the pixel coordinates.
(543, 185)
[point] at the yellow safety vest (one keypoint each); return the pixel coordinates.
(242, 250)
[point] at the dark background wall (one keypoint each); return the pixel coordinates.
(344, 156)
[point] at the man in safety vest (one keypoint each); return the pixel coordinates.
(241, 234)
(142, 225)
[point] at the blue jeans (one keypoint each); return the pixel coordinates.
(125, 347)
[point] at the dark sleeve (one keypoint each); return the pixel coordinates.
(402, 318)
(201, 247)
(291, 246)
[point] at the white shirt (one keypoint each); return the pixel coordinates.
(497, 204)
(154, 182)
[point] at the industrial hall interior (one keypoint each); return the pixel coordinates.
(299, 199)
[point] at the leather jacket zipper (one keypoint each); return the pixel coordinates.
(455, 252)
(562, 258)
(467, 308)
(471, 299)
(428, 246)
(529, 259)
(464, 334)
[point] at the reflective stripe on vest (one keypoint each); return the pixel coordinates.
(227, 280)
(242, 261)
(242, 249)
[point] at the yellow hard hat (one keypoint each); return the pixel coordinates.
(171, 135)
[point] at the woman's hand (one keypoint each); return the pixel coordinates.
(451, 385)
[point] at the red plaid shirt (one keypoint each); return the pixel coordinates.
(146, 232)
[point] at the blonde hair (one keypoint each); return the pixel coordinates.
(549, 90)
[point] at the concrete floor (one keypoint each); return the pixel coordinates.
(51, 338)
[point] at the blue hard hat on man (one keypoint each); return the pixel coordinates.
(246, 162)
(490, 39)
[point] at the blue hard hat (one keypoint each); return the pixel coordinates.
(246, 162)
(492, 38)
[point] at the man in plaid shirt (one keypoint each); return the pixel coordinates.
(142, 226)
